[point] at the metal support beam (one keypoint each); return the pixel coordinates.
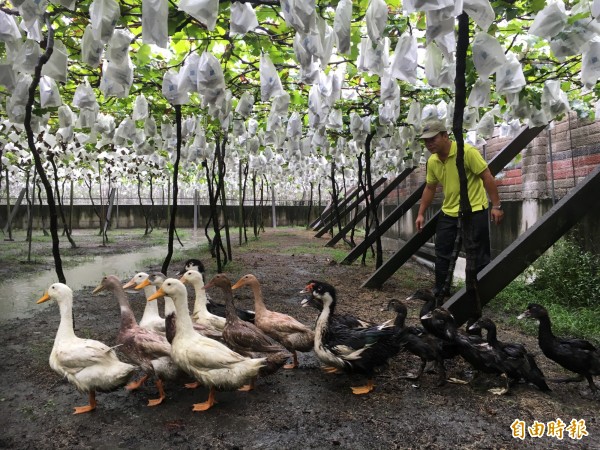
(401, 256)
(385, 225)
(413, 244)
(382, 195)
(328, 211)
(14, 210)
(317, 222)
(344, 212)
(530, 245)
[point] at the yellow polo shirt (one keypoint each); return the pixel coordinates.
(446, 174)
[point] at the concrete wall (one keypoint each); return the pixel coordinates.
(131, 216)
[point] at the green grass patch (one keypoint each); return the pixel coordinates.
(571, 275)
(580, 322)
(566, 321)
(334, 253)
(411, 279)
(291, 232)
(254, 243)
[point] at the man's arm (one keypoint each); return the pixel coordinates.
(426, 199)
(489, 183)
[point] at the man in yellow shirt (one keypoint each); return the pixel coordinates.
(441, 169)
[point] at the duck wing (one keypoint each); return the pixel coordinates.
(345, 341)
(579, 344)
(219, 310)
(480, 354)
(418, 343)
(521, 364)
(210, 354)
(352, 321)
(87, 352)
(513, 350)
(533, 374)
(282, 323)
(445, 348)
(363, 350)
(151, 343)
(247, 336)
(576, 355)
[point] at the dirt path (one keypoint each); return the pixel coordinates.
(303, 408)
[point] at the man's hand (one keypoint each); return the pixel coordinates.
(497, 216)
(420, 222)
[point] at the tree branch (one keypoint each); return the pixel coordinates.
(37, 75)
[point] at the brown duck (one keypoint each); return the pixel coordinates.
(292, 334)
(148, 349)
(245, 337)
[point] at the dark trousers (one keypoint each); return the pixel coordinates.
(445, 235)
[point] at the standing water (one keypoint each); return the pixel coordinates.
(18, 297)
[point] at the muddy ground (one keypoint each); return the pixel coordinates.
(302, 408)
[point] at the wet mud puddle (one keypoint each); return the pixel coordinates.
(18, 297)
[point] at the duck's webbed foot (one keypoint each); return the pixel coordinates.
(457, 381)
(248, 387)
(410, 376)
(294, 363)
(473, 376)
(359, 390)
(207, 404)
(501, 390)
(132, 386)
(87, 408)
(161, 394)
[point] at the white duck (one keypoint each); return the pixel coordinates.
(88, 364)
(151, 319)
(156, 279)
(211, 363)
(213, 307)
(200, 314)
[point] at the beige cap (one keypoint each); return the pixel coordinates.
(431, 128)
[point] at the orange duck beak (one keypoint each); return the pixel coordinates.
(142, 285)
(98, 288)
(130, 283)
(157, 294)
(44, 298)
